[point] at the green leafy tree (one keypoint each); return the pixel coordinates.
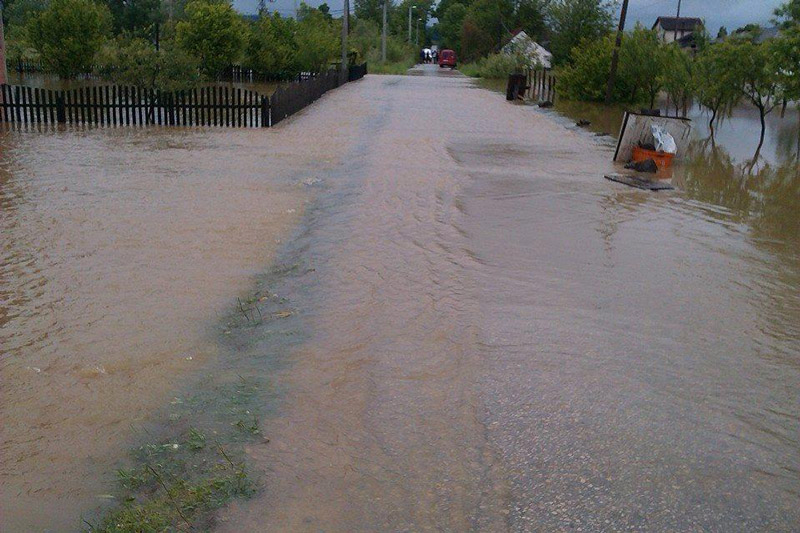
(572, 21)
(722, 33)
(68, 34)
(642, 60)
(758, 80)
(788, 14)
(213, 33)
(485, 27)
(715, 83)
(271, 46)
(678, 77)
(530, 17)
(786, 49)
(136, 17)
(317, 40)
(369, 10)
(134, 61)
(450, 26)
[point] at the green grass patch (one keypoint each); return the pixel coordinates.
(399, 67)
(472, 70)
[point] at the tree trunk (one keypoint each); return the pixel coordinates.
(763, 131)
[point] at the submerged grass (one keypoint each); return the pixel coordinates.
(177, 486)
(179, 481)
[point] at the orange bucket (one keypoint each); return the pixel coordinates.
(663, 160)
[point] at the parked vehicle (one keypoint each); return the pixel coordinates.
(447, 58)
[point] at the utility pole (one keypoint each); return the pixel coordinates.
(409, 22)
(383, 35)
(3, 73)
(677, 21)
(615, 56)
(345, 21)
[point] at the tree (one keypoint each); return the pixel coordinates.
(68, 34)
(486, 25)
(136, 17)
(716, 87)
(678, 77)
(317, 41)
(529, 16)
(213, 33)
(722, 33)
(369, 10)
(755, 73)
(642, 59)
(786, 49)
(450, 26)
(271, 46)
(572, 21)
(788, 13)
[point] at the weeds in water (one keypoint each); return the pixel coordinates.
(196, 440)
(253, 428)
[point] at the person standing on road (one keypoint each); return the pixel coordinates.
(422, 56)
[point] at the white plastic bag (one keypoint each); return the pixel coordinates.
(664, 142)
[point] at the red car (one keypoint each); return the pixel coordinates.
(447, 58)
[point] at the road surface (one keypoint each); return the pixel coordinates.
(501, 340)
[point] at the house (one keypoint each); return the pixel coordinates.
(670, 29)
(521, 43)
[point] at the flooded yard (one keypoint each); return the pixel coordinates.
(122, 251)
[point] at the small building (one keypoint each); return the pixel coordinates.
(670, 29)
(521, 43)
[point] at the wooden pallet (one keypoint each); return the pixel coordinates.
(639, 182)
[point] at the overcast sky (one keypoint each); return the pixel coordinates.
(729, 13)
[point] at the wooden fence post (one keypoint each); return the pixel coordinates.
(265, 112)
(61, 112)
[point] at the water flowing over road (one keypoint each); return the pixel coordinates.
(486, 335)
(502, 340)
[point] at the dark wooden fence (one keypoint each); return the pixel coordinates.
(240, 74)
(356, 72)
(292, 97)
(114, 105)
(542, 85)
(130, 106)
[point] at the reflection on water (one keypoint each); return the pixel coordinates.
(120, 250)
(738, 134)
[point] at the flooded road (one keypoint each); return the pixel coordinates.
(500, 339)
(489, 335)
(122, 251)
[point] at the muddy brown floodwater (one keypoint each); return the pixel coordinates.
(500, 339)
(495, 338)
(121, 251)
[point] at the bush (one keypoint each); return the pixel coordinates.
(585, 78)
(68, 34)
(131, 61)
